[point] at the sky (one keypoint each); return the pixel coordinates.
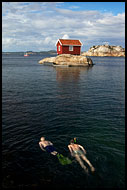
(36, 26)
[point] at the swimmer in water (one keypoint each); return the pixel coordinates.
(47, 146)
(79, 152)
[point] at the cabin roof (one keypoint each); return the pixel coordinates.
(69, 42)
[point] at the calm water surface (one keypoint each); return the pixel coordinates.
(62, 103)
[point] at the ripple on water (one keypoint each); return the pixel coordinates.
(61, 104)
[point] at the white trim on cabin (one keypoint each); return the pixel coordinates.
(81, 43)
(59, 42)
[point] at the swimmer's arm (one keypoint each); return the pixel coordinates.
(82, 148)
(50, 143)
(41, 146)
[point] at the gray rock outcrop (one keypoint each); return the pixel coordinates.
(105, 50)
(68, 60)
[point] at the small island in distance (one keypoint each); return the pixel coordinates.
(32, 52)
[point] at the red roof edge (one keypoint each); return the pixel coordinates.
(69, 42)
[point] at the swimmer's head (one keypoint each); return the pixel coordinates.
(72, 141)
(42, 138)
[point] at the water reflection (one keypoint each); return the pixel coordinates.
(67, 74)
(68, 79)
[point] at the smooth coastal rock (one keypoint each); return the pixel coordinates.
(68, 60)
(105, 50)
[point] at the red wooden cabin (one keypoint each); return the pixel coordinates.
(67, 46)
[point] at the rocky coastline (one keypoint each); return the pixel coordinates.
(68, 60)
(105, 50)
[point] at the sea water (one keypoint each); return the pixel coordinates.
(61, 103)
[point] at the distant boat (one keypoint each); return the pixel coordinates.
(26, 54)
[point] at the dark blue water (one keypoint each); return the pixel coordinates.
(62, 103)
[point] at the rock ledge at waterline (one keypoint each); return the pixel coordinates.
(68, 60)
(105, 50)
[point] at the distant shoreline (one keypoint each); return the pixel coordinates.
(31, 52)
(94, 51)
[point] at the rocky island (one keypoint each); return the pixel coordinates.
(68, 60)
(105, 50)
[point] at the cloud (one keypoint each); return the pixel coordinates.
(47, 40)
(74, 7)
(38, 25)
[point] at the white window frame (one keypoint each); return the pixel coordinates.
(71, 48)
(58, 48)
